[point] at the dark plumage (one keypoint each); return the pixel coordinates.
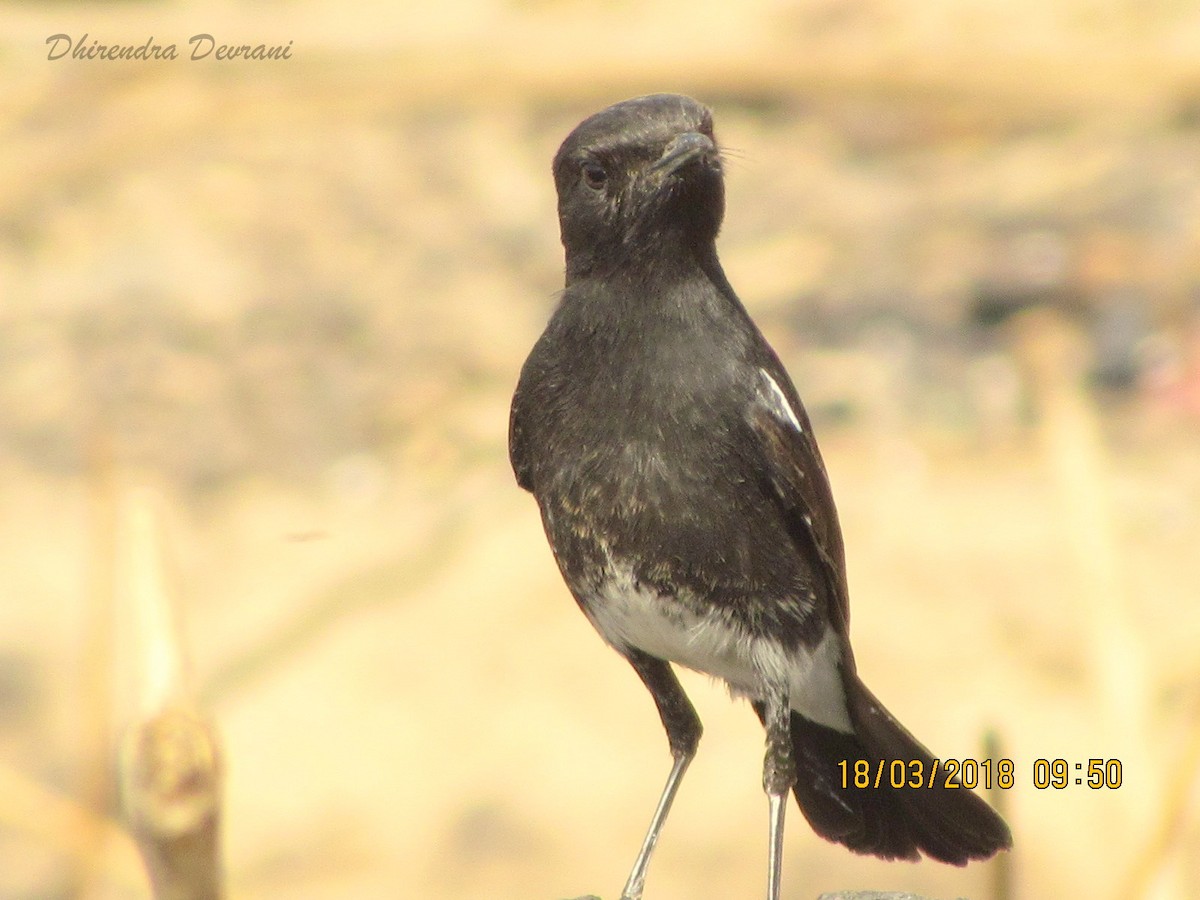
(684, 496)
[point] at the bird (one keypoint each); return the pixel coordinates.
(687, 504)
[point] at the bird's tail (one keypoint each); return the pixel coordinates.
(930, 814)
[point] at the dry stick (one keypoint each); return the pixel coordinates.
(1054, 353)
(170, 762)
(1075, 452)
(1179, 791)
(1002, 863)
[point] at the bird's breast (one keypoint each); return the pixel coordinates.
(644, 454)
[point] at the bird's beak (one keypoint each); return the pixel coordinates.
(683, 149)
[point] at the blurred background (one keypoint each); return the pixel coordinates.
(293, 296)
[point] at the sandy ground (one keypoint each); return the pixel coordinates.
(295, 297)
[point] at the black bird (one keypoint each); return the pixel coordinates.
(686, 501)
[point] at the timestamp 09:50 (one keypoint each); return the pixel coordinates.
(916, 774)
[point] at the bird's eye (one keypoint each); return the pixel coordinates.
(594, 175)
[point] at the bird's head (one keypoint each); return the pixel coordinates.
(644, 173)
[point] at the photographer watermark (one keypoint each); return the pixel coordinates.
(203, 46)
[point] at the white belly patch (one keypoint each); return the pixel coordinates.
(627, 615)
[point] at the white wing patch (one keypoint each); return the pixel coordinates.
(774, 399)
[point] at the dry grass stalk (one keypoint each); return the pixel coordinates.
(170, 761)
(1053, 351)
(1179, 800)
(1002, 864)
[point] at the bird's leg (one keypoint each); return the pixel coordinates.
(637, 876)
(779, 774)
(683, 733)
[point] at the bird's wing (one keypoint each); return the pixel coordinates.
(517, 445)
(797, 476)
